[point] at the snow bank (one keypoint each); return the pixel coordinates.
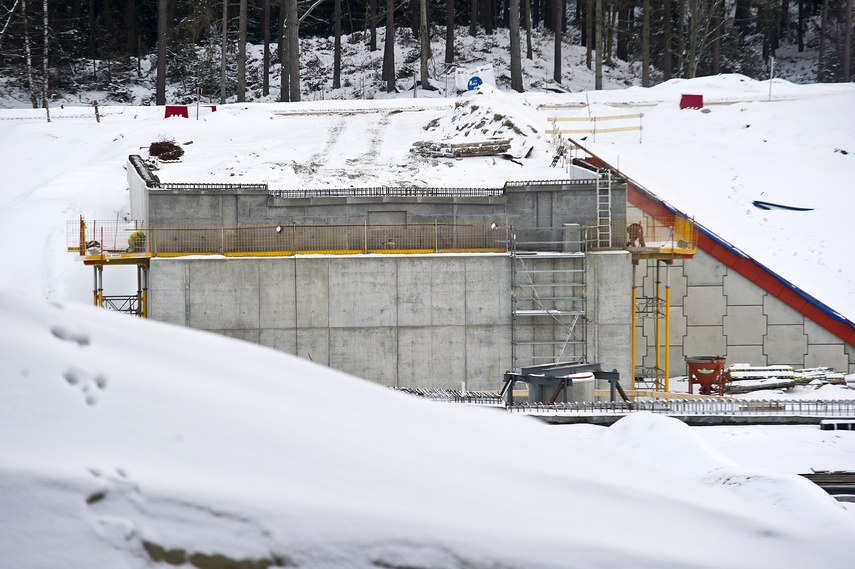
(129, 441)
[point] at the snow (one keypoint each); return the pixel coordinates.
(117, 433)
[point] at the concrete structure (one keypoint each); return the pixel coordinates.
(431, 321)
(723, 308)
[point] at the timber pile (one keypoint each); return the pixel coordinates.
(459, 149)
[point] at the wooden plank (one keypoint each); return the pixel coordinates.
(592, 119)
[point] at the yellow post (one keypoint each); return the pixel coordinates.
(667, 336)
(656, 313)
(632, 369)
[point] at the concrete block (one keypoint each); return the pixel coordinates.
(779, 313)
(785, 345)
(704, 269)
(746, 355)
(277, 293)
(488, 290)
(819, 335)
(705, 306)
(704, 341)
(362, 293)
(431, 291)
(280, 339)
(827, 355)
(745, 325)
(246, 335)
(740, 291)
(369, 353)
(488, 356)
(314, 344)
(432, 357)
(168, 291)
(609, 280)
(224, 294)
(313, 292)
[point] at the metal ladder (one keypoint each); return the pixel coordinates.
(604, 208)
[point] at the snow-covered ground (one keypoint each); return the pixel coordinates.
(117, 433)
(128, 442)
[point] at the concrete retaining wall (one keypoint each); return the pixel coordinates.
(431, 321)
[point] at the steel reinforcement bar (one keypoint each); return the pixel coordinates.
(731, 407)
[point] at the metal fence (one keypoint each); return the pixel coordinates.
(388, 191)
(653, 234)
(694, 407)
(121, 237)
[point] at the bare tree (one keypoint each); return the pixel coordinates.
(847, 42)
(241, 60)
(284, 74)
(529, 53)
(265, 39)
(336, 74)
(45, 58)
(449, 31)
(389, 47)
(294, 51)
(8, 19)
(558, 6)
(600, 43)
(223, 50)
(645, 44)
(822, 29)
(516, 63)
(424, 36)
(160, 90)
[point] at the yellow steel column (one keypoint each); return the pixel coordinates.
(667, 336)
(656, 316)
(632, 369)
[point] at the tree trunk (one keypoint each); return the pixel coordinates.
(681, 37)
(160, 89)
(801, 31)
(223, 50)
(718, 24)
(31, 80)
(529, 53)
(516, 63)
(424, 36)
(336, 74)
(131, 27)
(488, 16)
(599, 42)
(293, 51)
(819, 71)
(449, 31)
(282, 47)
(590, 18)
(558, 7)
(645, 44)
(45, 60)
(389, 47)
(847, 42)
(372, 17)
(668, 41)
(241, 63)
(265, 39)
(623, 30)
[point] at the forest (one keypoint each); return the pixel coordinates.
(50, 47)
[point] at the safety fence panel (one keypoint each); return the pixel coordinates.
(112, 237)
(663, 234)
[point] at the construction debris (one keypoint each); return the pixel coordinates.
(456, 148)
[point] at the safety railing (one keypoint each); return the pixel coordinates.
(693, 407)
(100, 238)
(388, 191)
(663, 234)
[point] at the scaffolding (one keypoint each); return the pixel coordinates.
(548, 300)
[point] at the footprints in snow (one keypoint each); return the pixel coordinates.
(90, 384)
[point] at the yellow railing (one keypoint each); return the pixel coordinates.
(97, 238)
(651, 235)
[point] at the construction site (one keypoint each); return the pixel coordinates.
(574, 288)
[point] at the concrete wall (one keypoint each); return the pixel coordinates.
(527, 206)
(432, 321)
(609, 280)
(717, 311)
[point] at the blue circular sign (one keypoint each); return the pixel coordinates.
(474, 82)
